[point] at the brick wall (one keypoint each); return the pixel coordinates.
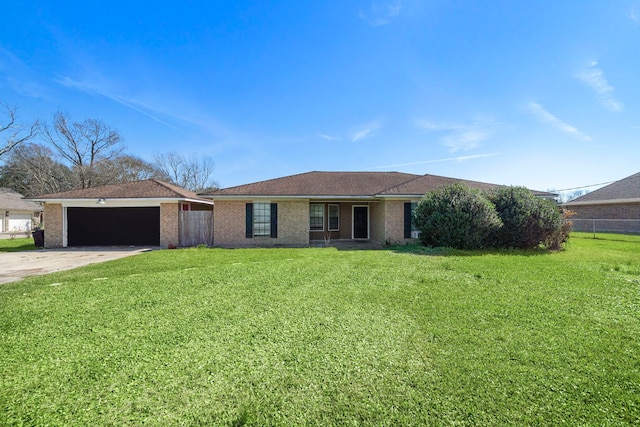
(377, 214)
(584, 215)
(229, 225)
(53, 226)
(169, 224)
(394, 222)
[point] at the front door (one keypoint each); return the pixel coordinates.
(360, 222)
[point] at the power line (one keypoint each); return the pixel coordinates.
(586, 186)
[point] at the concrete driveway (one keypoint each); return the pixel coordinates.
(18, 265)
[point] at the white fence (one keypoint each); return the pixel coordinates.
(602, 225)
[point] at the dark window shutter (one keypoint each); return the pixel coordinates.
(407, 220)
(274, 220)
(249, 221)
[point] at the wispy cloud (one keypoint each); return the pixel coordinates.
(633, 14)
(20, 77)
(364, 131)
(179, 115)
(92, 88)
(327, 137)
(459, 136)
(381, 12)
(595, 79)
(449, 159)
(546, 117)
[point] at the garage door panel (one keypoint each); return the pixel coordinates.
(113, 226)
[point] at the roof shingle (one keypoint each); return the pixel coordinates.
(11, 200)
(321, 184)
(146, 189)
(626, 188)
(345, 184)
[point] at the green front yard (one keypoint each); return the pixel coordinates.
(17, 244)
(326, 337)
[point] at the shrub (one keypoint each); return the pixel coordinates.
(559, 237)
(456, 216)
(528, 221)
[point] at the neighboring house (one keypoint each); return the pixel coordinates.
(148, 212)
(17, 215)
(615, 207)
(312, 207)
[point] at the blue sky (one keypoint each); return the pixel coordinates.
(542, 93)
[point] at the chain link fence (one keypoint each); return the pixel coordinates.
(602, 225)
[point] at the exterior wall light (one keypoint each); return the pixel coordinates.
(101, 201)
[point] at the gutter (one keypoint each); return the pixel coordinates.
(125, 200)
(603, 202)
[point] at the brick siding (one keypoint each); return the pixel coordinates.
(53, 226)
(377, 215)
(394, 222)
(229, 225)
(386, 224)
(169, 224)
(585, 213)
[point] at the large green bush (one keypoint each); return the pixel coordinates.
(456, 216)
(528, 221)
(509, 217)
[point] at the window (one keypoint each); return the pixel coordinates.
(316, 217)
(413, 210)
(409, 226)
(262, 219)
(334, 217)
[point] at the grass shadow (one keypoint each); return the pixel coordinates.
(17, 245)
(417, 249)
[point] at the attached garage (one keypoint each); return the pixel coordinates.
(138, 226)
(140, 213)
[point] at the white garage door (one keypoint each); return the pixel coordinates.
(19, 222)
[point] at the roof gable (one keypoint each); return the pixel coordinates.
(426, 183)
(146, 189)
(626, 188)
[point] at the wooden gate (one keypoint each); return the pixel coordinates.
(196, 228)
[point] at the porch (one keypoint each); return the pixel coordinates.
(345, 221)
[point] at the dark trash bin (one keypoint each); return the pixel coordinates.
(38, 238)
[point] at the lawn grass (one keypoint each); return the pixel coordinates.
(327, 337)
(606, 236)
(17, 244)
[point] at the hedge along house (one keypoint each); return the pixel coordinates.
(613, 208)
(299, 210)
(139, 213)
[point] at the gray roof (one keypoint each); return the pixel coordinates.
(625, 190)
(11, 200)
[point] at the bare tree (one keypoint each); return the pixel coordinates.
(567, 197)
(125, 168)
(192, 172)
(11, 133)
(83, 145)
(32, 170)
